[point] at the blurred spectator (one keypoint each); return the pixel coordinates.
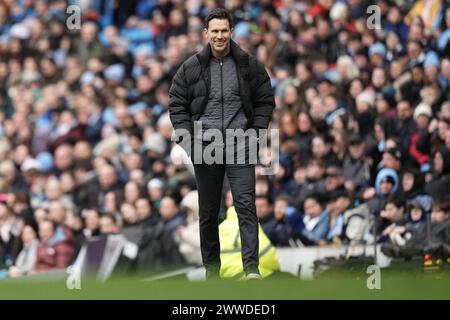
(339, 203)
(316, 219)
(27, 257)
(265, 215)
(287, 219)
(92, 223)
(54, 250)
(356, 169)
(391, 216)
(439, 185)
(188, 237)
(108, 225)
(171, 215)
(10, 230)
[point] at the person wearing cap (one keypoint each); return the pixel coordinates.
(334, 178)
(222, 87)
(419, 149)
(355, 169)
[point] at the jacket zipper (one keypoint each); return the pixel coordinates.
(221, 94)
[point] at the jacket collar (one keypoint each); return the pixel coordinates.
(239, 55)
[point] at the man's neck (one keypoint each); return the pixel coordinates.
(221, 55)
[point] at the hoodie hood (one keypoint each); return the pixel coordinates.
(386, 172)
(419, 181)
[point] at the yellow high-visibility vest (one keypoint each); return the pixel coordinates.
(230, 245)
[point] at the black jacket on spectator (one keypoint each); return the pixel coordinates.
(157, 246)
(439, 233)
(439, 187)
(405, 129)
(191, 84)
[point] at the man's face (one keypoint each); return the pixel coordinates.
(143, 208)
(106, 225)
(129, 213)
(312, 208)
(438, 215)
(107, 177)
(263, 208)
(416, 213)
(46, 230)
(280, 208)
(333, 181)
(385, 187)
(92, 220)
(356, 150)
(390, 161)
(404, 110)
(319, 147)
(219, 34)
(56, 212)
(393, 213)
(168, 208)
(438, 162)
(408, 181)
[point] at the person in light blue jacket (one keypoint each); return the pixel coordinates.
(315, 220)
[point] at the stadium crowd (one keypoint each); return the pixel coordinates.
(363, 112)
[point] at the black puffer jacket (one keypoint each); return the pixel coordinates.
(191, 84)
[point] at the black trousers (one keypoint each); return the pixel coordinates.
(242, 183)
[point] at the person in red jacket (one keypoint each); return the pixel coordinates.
(55, 248)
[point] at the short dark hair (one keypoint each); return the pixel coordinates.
(320, 198)
(397, 201)
(284, 197)
(267, 198)
(218, 13)
(441, 206)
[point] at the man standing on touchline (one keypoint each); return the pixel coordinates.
(223, 88)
